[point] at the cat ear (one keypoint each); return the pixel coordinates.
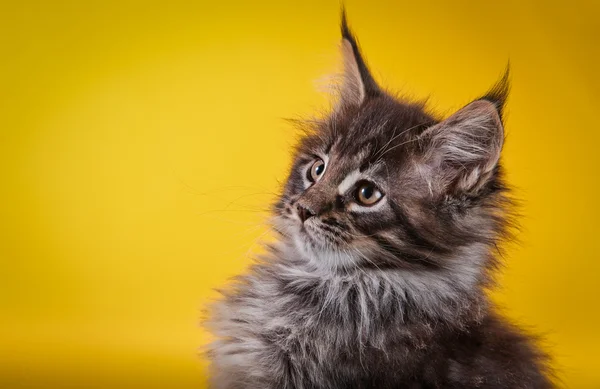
(358, 84)
(463, 150)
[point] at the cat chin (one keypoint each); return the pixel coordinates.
(319, 256)
(324, 258)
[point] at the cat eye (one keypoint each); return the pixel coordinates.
(316, 170)
(368, 194)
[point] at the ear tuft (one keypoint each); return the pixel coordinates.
(498, 94)
(358, 82)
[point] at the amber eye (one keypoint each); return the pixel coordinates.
(316, 170)
(368, 194)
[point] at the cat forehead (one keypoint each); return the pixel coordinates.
(355, 153)
(378, 124)
(381, 129)
(365, 147)
(345, 152)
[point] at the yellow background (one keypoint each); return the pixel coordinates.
(141, 142)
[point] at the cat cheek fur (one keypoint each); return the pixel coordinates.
(392, 296)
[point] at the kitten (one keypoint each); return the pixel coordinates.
(388, 227)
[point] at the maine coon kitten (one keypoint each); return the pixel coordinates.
(388, 227)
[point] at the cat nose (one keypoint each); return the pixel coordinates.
(304, 213)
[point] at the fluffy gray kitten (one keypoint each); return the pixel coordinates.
(388, 229)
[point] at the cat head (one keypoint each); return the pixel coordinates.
(382, 183)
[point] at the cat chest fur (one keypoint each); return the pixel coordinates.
(286, 324)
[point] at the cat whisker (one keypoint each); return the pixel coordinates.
(398, 145)
(394, 137)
